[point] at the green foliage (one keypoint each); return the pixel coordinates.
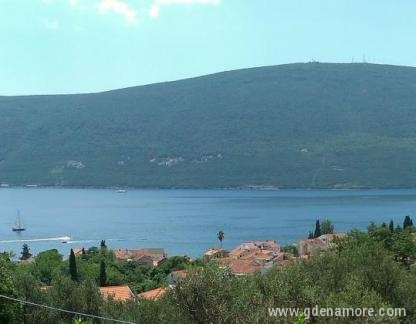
(25, 252)
(46, 265)
(318, 231)
(220, 236)
(301, 319)
(290, 248)
(73, 266)
(366, 269)
(103, 274)
(407, 223)
(9, 310)
(327, 227)
(391, 226)
(292, 126)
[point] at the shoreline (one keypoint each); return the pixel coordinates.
(243, 188)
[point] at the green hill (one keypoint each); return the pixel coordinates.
(297, 125)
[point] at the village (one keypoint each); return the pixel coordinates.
(246, 259)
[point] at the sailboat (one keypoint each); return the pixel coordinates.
(18, 227)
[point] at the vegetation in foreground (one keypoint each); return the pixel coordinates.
(367, 269)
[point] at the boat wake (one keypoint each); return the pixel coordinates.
(81, 241)
(61, 238)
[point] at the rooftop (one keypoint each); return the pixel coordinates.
(121, 293)
(153, 294)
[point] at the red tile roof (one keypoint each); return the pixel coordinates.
(156, 254)
(122, 293)
(153, 294)
(240, 267)
(180, 273)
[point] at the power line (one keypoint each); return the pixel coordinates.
(64, 310)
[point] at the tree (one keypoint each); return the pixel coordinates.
(25, 252)
(310, 235)
(103, 273)
(220, 236)
(391, 226)
(407, 222)
(317, 232)
(8, 309)
(46, 265)
(404, 248)
(103, 245)
(73, 266)
(327, 227)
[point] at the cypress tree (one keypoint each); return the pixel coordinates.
(407, 222)
(73, 266)
(391, 226)
(310, 236)
(317, 229)
(220, 236)
(103, 274)
(25, 252)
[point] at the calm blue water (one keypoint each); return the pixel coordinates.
(186, 221)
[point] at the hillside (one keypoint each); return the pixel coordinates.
(308, 125)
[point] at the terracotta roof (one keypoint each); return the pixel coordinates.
(157, 254)
(331, 237)
(248, 245)
(153, 294)
(122, 293)
(313, 242)
(180, 273)
(240, 267)
(77, 251)
(237, 252)
(213, 251)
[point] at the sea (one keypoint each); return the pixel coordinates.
(186, 222)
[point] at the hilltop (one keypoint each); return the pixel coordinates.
(311, 125)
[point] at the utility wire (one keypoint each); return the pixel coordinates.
(64, 310)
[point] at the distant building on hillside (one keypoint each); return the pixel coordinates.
(215, 253)
(309, 246)
(153, 294)
(175, 276)
(145, 257)
(120, 293)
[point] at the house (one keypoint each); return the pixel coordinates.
(248, 249)
(120, 293)
(241, 267)
(153, 294)
(175, 276)
(146, 256)
(145, 261)
(215, 253)
(309, 246)
(78, 251)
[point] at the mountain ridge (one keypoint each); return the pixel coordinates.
(302, 125)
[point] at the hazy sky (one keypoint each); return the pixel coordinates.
(70, 46)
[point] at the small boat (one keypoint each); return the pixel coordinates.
(18, 227)
(121, 191)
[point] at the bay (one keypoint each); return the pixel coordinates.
(185, 222)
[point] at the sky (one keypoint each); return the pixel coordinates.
(79, 46)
